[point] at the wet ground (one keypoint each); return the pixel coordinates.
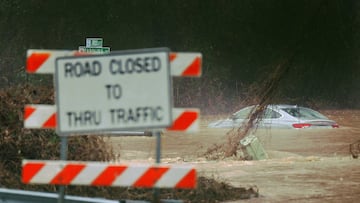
(303, 165)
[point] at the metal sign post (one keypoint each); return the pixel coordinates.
(158, 161)
(158, 147)
(63, 156)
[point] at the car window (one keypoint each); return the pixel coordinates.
(269, 113)
(243, 113)
(304, 113)
(292, 111)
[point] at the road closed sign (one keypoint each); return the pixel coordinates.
(127, 90)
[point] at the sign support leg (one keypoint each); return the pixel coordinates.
(158, 147)
(158, 161)
(63, 156)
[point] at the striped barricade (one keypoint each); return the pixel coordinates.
(107, 174)
(185, 64)
(185, 120)
(40, 116)
(43, 61)
(44, 116)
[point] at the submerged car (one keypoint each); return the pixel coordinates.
(278, 116)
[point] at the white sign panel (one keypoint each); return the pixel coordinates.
(121, 91)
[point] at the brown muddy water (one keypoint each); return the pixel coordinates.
(303, 165)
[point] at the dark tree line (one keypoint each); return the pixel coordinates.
(242, 41)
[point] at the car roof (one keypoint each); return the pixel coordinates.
(277, 106)
(283, 106)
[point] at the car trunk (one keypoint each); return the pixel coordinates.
(316, 124)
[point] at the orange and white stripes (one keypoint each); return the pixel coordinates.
(185, 120)
(107, 174)
(43, 61)
(185, 64)
(40, 116)
(44, 116)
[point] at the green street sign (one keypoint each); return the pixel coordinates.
(94, 50)
(94, 42)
